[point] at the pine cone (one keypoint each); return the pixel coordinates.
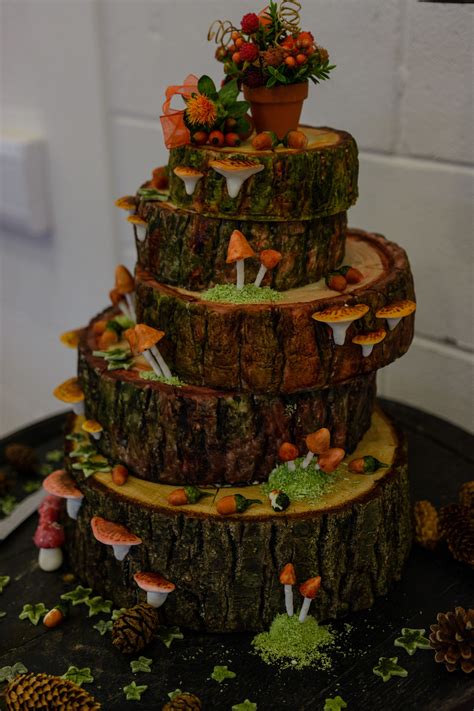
(43, 691)
(453, 639)
(456, 527)
(135, 628)
(466, 494)
(22, 458)
(273, 57)
(183, 702)
(426, 524)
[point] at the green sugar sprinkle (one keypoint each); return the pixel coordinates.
(291, 644)
(250, 294)
(151, 375)
(302, 484)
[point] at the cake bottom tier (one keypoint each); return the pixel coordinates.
(226, 569)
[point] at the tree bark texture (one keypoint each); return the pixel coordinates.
(295, 184)
(188, 249)
(194, 435)
(226, 570)
(278, 347)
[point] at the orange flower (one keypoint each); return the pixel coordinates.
(201, 111)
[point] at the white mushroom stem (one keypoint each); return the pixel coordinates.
(161, 362)
(239, 265)
(289, 600)
(307, 461)
(393, 322)
(140, 231)
(50, 559)
(151, 361)
(339, 332)
(96, 435)
(73, 506)
(234, 183)
(78, 408)
(125, 310)
(120, 551)
(156, 599)
(304, 609)
(131, 306)
(261, 273)
(367, 350)
(190, 182)
(291, 466)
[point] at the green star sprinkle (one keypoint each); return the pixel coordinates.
(142, 664)
(103, 626)
(388, 667)
(98, 604)
(79, 676)
(7, 504)
(134, 692)
(116, 613)
(78, 596)
(8, 673)
(335, 704)
(33, 613)
(168, 634)
(4, 580)
(54, 456)
(172, 694)
(245, 706)
(221, 673)
(412, 639)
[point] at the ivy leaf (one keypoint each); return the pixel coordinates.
(412, 639)
(2, 614)
(8, 673)
(86, 451)
(206, 86)
(220, 673)
(78, 596)
(98, 604)
(4, 580)
(142, 664)
(335, 704)
(172, 694)
(103, 626)
(245, 706)
(76, 436)
(7, 504)
(168, 634)
(31, 485)
(79, 676)
(54, 456)
(134, 692)
(388, 667)
(33, 613)
(151, 195)
(116, 613)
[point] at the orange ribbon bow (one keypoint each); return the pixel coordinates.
(172, 122)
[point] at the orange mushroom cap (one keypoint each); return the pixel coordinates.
(112, 534)
(330, 459)
(71, 338)
(92, 426)
(269, 258)
(127, 202)
(288, 575)
(60, 483)
(146, 336)
(319, 441)
(238, 248)
(124, 281)
(310, 587)
(132, 339)
(70, 391)
(399, 309)
(137, 220)
(288, 452)
(370, 339)
(153, 582)
(115, 296)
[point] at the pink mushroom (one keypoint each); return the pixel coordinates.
(157, 588)
(115, 535)
(49, 509)
(60, 483)
(49, 537)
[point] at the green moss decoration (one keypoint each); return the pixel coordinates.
(291, 644)
(9, 673)
(33, 613)
(4, 580)
(134, 692)
(245, 706)
(98, 604)
(142, 664)
(78, 596)
(7, 504)
(54, 456)
(412, 639)
(79, 676)
(220, 673)
(250, 294)
(302, 484)
(153, 377)
(169, 634)
(335, 704)
(388, 667)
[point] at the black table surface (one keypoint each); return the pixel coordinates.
(441, 458)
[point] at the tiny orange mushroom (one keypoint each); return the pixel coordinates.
(269, 258)
(237, 251)
(288, 579)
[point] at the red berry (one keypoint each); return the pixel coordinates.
(236, 58)
(353, 276)
(200, 138)
(248, 52)
(216, 138)
(336, 282)
(232, 139)
(290, 62)
(250, 23)
(301, 58)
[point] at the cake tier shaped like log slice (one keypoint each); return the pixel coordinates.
(279, 347)
(356, 536)
(298, 184)
(196, 435)
(188, 249)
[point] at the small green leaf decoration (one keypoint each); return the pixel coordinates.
(245, 706)
(116, 613)
(78, 596)
(7, 504)
(8, 673)
(412, 639)
(54, 456)
(134, 692)
(86, 451)
(142, 664)
(30, 486)
(220, 673)
(76, 436)
(2, 614)
(103, 626)
(335, 704)
(152, 195)
(4, 580)
(33, 613)
(79, 676)
(388, 667)
(172, 694)
(168, 634)
(98, 604)
(206, 86)
(90, 467)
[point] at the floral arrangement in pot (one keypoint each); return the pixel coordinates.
(273, 60)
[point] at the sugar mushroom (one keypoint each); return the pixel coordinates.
(288, 452)
(60, 483)
(288, 579)
(118, 299)
(369, 340)
(157, 588)
(339, 318)
(317, 443)
(189, 176)
(49, 537)
(125, 285)
(269, 258)
(143, 340)
(93, 428)
(309, 589)
(396, 311)
(115, 535)
(71, 338)
(127, 203)
(235, 172)
(71, 392)
(49, 509)
(330, 459)
(237, 252)
(141, 226)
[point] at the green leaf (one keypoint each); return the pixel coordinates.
(2, 614)
(228, 93)
(98, 604)
(245, 706)
(151, 195)
(206, 86)
(8, 673)
(168, 634)
(54, 456)
(84, 450)
(239, 109)
(134, 692)
(412, 639)
(172, 694)
(142, 664)
(31, 485)
(116, 613)
(243, 126)
(4, 580)
(388, 667)
(103, 626)
(222, 672)
(79, 676)
(78, 596)
(76, 436)
(33, 613)
(278, 75)
(335, 704)
(7, 504)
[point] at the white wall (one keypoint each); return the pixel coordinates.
(403, 87)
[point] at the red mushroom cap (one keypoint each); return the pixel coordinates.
(153, 582)
(288, 452)
(269, 258)
(112, 534)
(330, 459)
(60, 483)
(310, 587)
(49, 535)
(49, 509)
(288, 575)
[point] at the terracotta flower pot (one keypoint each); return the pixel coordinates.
(277, 109)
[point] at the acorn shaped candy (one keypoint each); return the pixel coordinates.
(187, 495)
(54, 617)
(366, 465)
(279, 500)
(234, 503)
